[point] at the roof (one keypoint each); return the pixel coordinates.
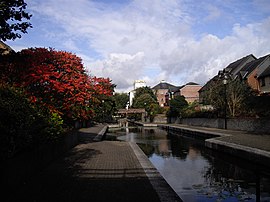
(234, 65)
(192, 84)
(251, 66)
(205, 87)
(265, 73)
(164, 85)
(5, 49)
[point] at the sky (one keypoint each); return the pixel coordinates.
(178, 41)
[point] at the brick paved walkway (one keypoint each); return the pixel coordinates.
(98, 171)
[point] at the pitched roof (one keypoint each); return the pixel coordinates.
(211, 81)
(265, 73)
(164, 85)
(4, 48)
(192, 83)
(251, 66)
(233, 67)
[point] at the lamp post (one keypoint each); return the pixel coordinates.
(145, 115)
(102, 111)
(225, 99)
(224, 76)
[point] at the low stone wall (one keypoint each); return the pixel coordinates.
(160, 118)
(245, 124)
(15, 171)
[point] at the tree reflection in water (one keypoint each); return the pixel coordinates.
(200, 174)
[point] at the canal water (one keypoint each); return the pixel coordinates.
(197, 173)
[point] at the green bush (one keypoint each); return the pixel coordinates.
(23, 124)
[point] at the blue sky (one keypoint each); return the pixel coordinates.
(178, 41)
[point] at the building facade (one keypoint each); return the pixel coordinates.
(191, 92)
(163, 90)
(136, 84)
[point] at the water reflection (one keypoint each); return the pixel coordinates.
(199, 174)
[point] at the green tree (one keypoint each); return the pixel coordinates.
(237, 95)
(144, 101)
(147, 102)
(144, 90)
(13, 19)
(24, 124)
(145, 98)
(105, 108)
(121, 100)
(177, 105)
(154, 110)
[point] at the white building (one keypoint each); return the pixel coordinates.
(137, 84)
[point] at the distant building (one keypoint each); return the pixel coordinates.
(191, 92)
(137, 84)
(263, 75)
(165, 91)
(237, 66)
(254, 71)
(234, 69)
(162, 90)
(264, 81)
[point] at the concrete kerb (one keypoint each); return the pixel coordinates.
(162, 188)
(95, 133)
(101, 134)
(248, 153)
(217, 143)
(145, 124)
(188, 129)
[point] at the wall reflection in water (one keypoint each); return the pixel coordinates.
(199, 174)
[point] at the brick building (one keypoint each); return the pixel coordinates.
(191, 92)
(162, 90)
(165, 91)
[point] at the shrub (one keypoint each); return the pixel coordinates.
(23, 124)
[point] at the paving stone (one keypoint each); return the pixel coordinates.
(97, 171)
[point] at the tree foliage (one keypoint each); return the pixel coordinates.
(237, 95)
(13, 19)
(105, 109)
(177, 105)
(56, 80)
(143, 101)
(23, 124)
(144, 90)
(121, 100)
(149, 103)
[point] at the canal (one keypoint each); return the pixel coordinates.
(195, 172)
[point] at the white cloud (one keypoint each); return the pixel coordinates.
(121, 68)
(150, 33)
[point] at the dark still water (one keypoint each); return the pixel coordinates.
(197, 173)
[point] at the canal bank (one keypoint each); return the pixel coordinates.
(97, 171)
(249, 146)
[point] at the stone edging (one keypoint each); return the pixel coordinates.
(162, 188)
(101, 134)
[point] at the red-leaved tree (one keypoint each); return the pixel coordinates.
(57, 80)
